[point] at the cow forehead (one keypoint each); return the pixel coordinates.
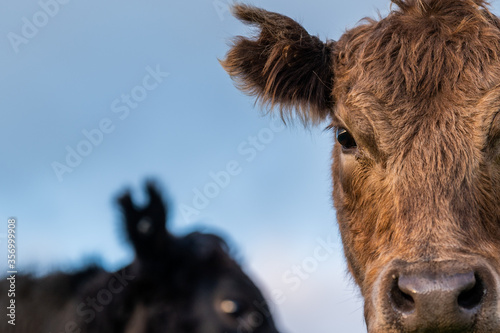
(450, 50)
(421, 75)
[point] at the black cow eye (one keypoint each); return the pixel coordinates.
(231, 307)
(345, 139)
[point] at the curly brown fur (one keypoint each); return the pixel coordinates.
(419, 93)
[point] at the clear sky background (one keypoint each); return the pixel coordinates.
(64, 79)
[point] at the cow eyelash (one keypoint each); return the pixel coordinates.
(329, 128)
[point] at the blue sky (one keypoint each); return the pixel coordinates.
(68, 82)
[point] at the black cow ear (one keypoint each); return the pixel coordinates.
(283, 65)
(146, 226)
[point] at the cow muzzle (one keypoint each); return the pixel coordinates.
(437, 296)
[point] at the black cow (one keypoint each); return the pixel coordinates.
(175, 284)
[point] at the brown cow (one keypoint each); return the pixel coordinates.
(414, 99)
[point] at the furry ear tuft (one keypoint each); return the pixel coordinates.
(283, 65)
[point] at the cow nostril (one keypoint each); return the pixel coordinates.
(472, 297)
(446, 296)
(400, 300)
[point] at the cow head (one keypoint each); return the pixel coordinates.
(185, 284)
(414, 101)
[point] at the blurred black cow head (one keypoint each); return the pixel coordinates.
(184, 284)
(190, 283)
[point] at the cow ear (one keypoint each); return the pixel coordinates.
(283, 65)
(146, 226)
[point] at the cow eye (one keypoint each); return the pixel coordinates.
(345, 139)
(231, 307)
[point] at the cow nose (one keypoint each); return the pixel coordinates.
(436, 300)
